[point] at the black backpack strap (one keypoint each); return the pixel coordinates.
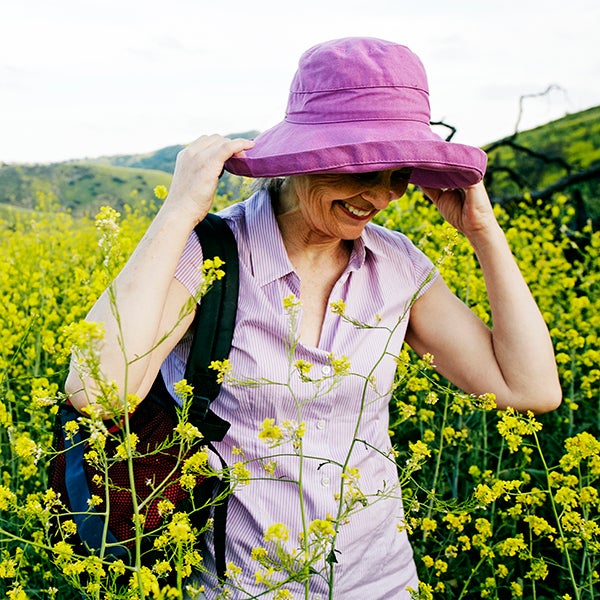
(214, 325)
(212, 341)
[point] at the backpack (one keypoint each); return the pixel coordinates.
(153, 422)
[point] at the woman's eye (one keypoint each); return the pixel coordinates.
(400, 176)
(365, 178)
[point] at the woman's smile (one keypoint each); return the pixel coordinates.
(355, 211)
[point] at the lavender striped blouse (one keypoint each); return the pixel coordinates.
(345, 419)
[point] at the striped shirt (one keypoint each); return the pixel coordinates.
(344, 419)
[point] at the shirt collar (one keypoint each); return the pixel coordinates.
(269, 257)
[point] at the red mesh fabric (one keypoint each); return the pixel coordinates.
(153, 424)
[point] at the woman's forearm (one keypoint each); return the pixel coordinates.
(145, 302)
(136, 311)
(520, 337)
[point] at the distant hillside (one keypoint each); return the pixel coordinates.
(80, 187)
(563, 151)
(563, 154)
(160, 160)
(84, 186)
(164, 160)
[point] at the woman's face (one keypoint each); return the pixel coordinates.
(340, 205)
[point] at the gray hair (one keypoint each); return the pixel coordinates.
(271, 184)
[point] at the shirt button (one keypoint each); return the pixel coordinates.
(321, 424)
(317, 597)
(326, 370)
(325, 481)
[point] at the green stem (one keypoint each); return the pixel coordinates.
(557, 519)
(438, 463)
(465, 588)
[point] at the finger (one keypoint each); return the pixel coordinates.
(209, 152)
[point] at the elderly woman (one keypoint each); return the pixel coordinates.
(356, 132)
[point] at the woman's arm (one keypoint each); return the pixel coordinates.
(515, 359)
(148, 300)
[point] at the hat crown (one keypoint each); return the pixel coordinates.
(351, 63)
(358, 105)
(358, 79)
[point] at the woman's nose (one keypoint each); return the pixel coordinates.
(379, 195)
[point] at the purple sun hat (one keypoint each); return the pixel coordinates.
(359, 105)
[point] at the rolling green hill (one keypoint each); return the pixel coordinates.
(84, 186)
(563, 154)
(161, 160)
(80, 187)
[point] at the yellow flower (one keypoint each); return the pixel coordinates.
(188, 481)
(291, 303)
(539, 569)
(117, 567)
(501, 571)
(511, 546)
(16, 593)
(303, 367)
(8, 568)
(165, 507)
(69, 527)
(7, 497)
(233, 570)
(321, 528)
(179, 529)
(341, 365)
(259, 553)
(456, 521)
(428, 524)
(269, 432)
(145, 581)
(240, 473)
(516, 590)
(539, 525)
(338, 307)
(183, 389)
(223, 368)
(124, 450)
(161, 192)
(196, 463)
(277, 532)
(428, 561)
(162, 567)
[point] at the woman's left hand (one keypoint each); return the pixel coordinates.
(468, 209)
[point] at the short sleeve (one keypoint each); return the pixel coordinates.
(424, 270)
(189, 269)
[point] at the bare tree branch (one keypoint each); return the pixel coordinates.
(450, 127)
(558, 186)
(522, 98)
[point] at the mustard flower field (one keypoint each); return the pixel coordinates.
(498, 505)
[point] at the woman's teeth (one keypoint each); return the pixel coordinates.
(356, 211)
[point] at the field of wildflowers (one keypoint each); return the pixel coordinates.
(498, 505)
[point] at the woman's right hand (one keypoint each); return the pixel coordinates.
(197, 171)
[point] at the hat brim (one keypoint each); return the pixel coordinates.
(295, 149)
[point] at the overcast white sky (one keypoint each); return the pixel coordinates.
(85, 78)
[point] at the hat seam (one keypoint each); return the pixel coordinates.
(360, 87)
(362, 119)
(416, 163)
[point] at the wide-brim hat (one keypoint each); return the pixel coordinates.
(359, 105)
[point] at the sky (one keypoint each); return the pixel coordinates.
(90, 78)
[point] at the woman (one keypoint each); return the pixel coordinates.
(355, 133)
